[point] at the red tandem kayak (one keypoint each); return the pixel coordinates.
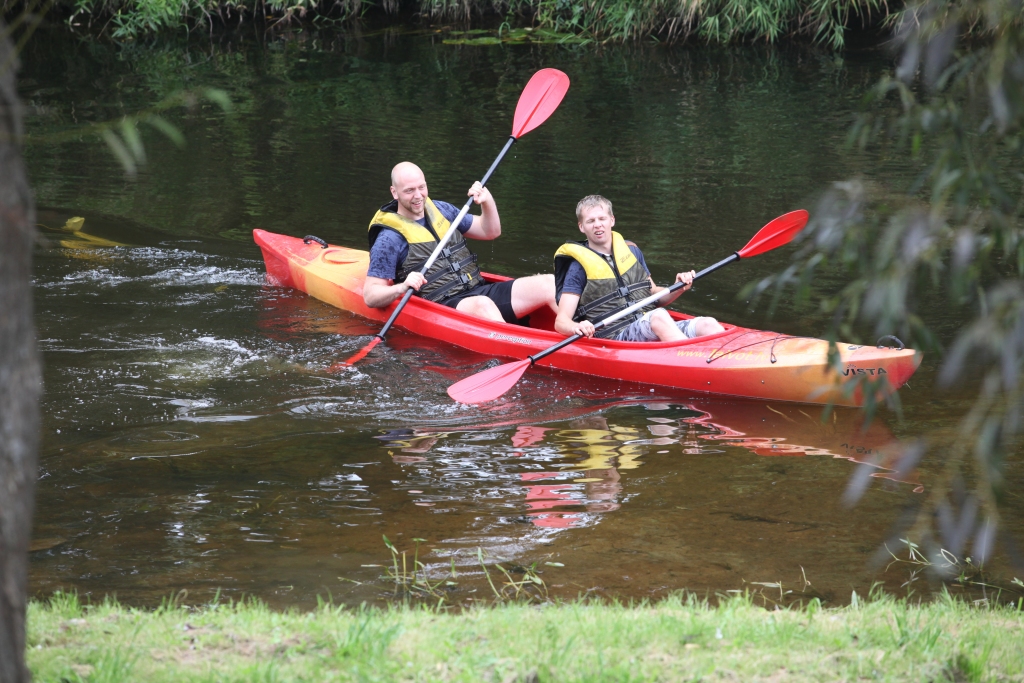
(737, 362)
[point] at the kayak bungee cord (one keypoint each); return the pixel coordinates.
(771, 352)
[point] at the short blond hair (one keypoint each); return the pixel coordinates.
(589, 202)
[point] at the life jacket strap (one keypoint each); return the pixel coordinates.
(619, 325)
(620, 293)
(453, 267)
(446, 292)
(456, 266)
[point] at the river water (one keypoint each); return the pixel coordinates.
(195, 439)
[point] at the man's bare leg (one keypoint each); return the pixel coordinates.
(480, 307)
(528, 294)
(706, 326)
(533, 292)
(664, 326)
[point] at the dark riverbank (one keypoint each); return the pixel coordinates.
(492, 21)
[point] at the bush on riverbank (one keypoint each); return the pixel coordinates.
(715, 21)
(679, 638)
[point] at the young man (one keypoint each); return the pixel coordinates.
(604, 274)
(404, 233)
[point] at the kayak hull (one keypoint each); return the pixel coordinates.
(737, 362)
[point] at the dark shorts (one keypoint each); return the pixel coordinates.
(498, 292)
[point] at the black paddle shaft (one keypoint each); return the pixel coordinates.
(626, 311)
(433, 257)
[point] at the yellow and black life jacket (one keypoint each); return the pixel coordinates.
(455, 269)
(613, 282)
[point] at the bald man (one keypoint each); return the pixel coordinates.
(405, 231)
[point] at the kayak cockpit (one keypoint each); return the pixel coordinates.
(544, 319)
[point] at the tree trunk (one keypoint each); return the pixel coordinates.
(20, 381)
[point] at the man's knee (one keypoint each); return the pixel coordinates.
(663, 326)
(479, 307)
(660, 319)
(705, 326)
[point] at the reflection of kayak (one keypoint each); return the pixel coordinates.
(736, 362)
(789, 430)
(597, 452)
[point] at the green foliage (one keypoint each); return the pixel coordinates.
(954, 105)
(716, 21)
(515, 35)
(528, 588)
(412, 578)
(129, 19)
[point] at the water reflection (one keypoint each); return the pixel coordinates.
(584, 479)
(594, 453)
(775, 430)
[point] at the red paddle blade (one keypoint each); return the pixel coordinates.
(356, 357)
(489, 384)
(539, 100)
(777, 233)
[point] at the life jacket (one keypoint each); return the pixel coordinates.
(611, 284)
(455, 269)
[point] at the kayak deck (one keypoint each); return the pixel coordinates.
(736, 362)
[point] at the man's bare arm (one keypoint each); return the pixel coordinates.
(379, 293)
(564, 323)
(486, 226)
(680, 277)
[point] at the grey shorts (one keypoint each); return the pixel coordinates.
(640, 330)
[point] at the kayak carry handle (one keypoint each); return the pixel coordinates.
(899, 345)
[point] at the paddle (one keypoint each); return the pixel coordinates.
(538, 101)
(490, 384)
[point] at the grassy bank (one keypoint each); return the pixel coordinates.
(677, 639)
(716, 21)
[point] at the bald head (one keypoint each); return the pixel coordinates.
(405, 172)
(409, 187)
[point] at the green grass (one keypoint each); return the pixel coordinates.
(680, 638)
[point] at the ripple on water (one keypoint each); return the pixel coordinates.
(207, 275)
(101, 276)
(122, 265)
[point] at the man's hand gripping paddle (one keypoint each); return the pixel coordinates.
(490, 384)
(539, 99)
